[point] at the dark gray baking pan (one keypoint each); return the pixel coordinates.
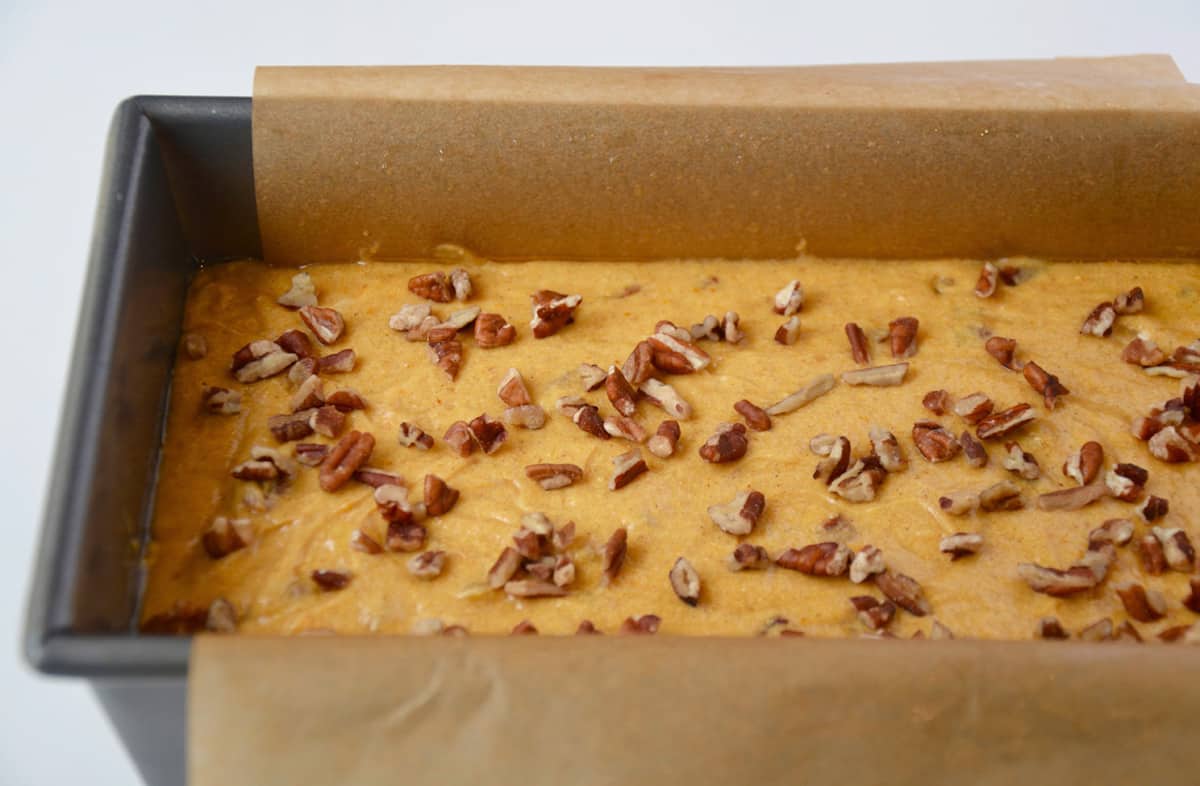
(177, 189)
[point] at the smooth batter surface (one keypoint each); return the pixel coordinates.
(664, 510)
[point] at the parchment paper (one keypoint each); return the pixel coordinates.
(1073, 158)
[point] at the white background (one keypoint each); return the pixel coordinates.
(63, 68)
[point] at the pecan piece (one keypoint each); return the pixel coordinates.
(311, 454)
(222, 401)
(345, 400)
(302, 369)
(534, 588)
(259, 360)
(325, 323)
(873, 614)
(959, 503)
(638, 367)
(427, 564)
(303, 292)
(1170, 446)
(728, 443)
(331, 580)
(489, 433)
(296, 342)
(973, 408)
(677, 356)
(341, 362)
(961, 544)
(405, 536)
(1049, 628)
(289, 428)
(1022, 463)
(887, 448)
(756, 417)
(1084, 465)
(625, 428)
(460, 282)
(345, 458)
(1126, 481)
(860, 482)
(1054, 582)
(1192, 601)
(936, 401)
(410, 317)
(817, 559)
(588, 419)
(647, 624)
(974, 451)
(569, 405)
(626, 468)
(447, 355)
(327, 421)
(669, 328)
(460, 439)
(1154, 561)
(813, 390)
(225, 536)
(747, 556)
(504, 568)
(195, 346)
(788, 332)
(663, 396)
(902, 336)
(1072, 498)
(1000, 423)
(904, 591)
(411, 436)
(222, 617)
(859, 349)
(1100, 321)
(434, 286)
(591, 376)
(554, 476)
(933, 442)
(1004, 495)
(530, 416)
(1131, 302)
(564, 571)
(790, 299)
(622, 395)
(1115, 531)
(552, 311)
(1142, 605)
(685, 581)
(989, 278)
(1176, 547)
(739, 516)
(361, 541)
(1101, 630)
(876, 376)
(1003, 350)
(1142, 351)
(731, 328)
(493, 330)
(1154, 508)
(614, 555)
(439, 498)
(1045, 383)
(587, 628)
(866, 563)
(665, 439)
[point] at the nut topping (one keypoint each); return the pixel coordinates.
(989, 277)
(195, 346)
(404, 535)
(625, 428)
(823, 444)
(564, 571)
(512, 390)
(302, 369)
(1001, 423)
(460, 282)
(427, 564)
(959, 503)
(1100, 630)
(685, 581)
(887, 448)
(663, 396)
(645, 625)
(1126, 482)
(410, 317)
(860, 482)
(1022, 463)
(1177, 548)
(817, 559)
(790, 299)
(259, 360)
(447, 355)
(866, 563)
(587, 628)
(552, 311)
(905, 592)
(530, 416)
(1131, 302)
(1142, 605)
(533, 588)
(504, 568)
(902, 335)
(1115, 531)
(302, 293)
(1154, 508)
(374, 477)
(626, 468)
(493, 330)
(222, 401)
(788, 332)
(439, 498)
(411, 436)
(1100, 322)
(1142, 351)
(432, 286)
(1192, 601)
(620, 392)
(296, 342)
(460, 439)
(936, 401)
(1003, 350)
(311, 454)
(1057, 583)
(639, 366)
(973, 408)
(338, 363)
(288, 428)
(1004, 495)
(859, 349)
(325, 323)
(225, 536)
(933, 442)
(591, 376)
(739, 516)
(813, 390)
(588, 419)
(728, 443)
(569, 405)
(331, 580)
(1049, 628)
(614, 556)
(756, 417)
(345, 400)
(710, 329)
(1169, 445)
(976, 455)
(665, 439)
(669, 328)
(1154, 560)
(961, 544)
(675, 356)
(554, 476)
(1072, 498)
(345, 458)
(873, 614)
(747, 556)
(1084, 465)
(876, 376)
(1045, 383)
(309, 395)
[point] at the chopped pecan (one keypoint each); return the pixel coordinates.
(817, 559)
(626, 468)
(569, 405)
(562, 538)
(710, 328)
(439, 498)
(447, 355)
(813, 390)
(933, 442)
(405, 535)
(554, 476)
(259, 360)
(788, 332)
(331, 580)
(361, 541)
(790, 299)
(1154, 508)
(493, 330)
(1100, 630)
(564, 571)
(824, 444)
(904, 591)
(625, 428)
(739, 516)
(638, 367)
(1022, 463)
(1126, 482)
(876, 376)
(1072, 498)
(1100, 321)
(225, 536)
(1154, 560)
(1142, 351)
(614, 555)
(460, 282)
(345, 458)
(552, 311)
(859, 348)
(410, 317)
(460, 439)
(512, 390)
(504, 568)
(974, 451)
(756, 417)
(1184, 633)
(1001, 423)
(676, 356)
(669, 328)
(685, 581)
(195, 346)
(1170, 446)
(338, 363)
(940, 631)
(222, 401)
(587, 628)
(731, 328)
(591, 376)
(936, 401)
(411, 436)
(1131, 302)
(663, 396)
(288, 428)
(530, 416)
(622, 395)
(728, 443)
(296, 342)
(1003, 350)
(345, 400)
(961, 544)
(647, 624)
(902, 336)
(432, 286)
(302, 369)
(1058, 583)
(989, 278)
(264, 464)
(973, 408)
(427, 564)
(1084, 465)
(588, 419)
(524, 628)
(222, 617)
(959, 503)
(1049, 628)
(458, 320)
(1115, 531)
(665, 438)
(303, 292)
(534, 588)
(1142, 605)
(747, 556)
(1127, 632)
(866, 563)
(325, 323)
(311, 454)
(887, 448)
(1192, 601)
(1013, 275)
(872, 613)
(1177, 548)
(327, 421)
(860, 482)
(1045, 383)
(1001, 496)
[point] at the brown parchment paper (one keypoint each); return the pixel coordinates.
(1086, 158)
(1056, 158)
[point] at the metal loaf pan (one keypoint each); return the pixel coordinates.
(177, 189)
